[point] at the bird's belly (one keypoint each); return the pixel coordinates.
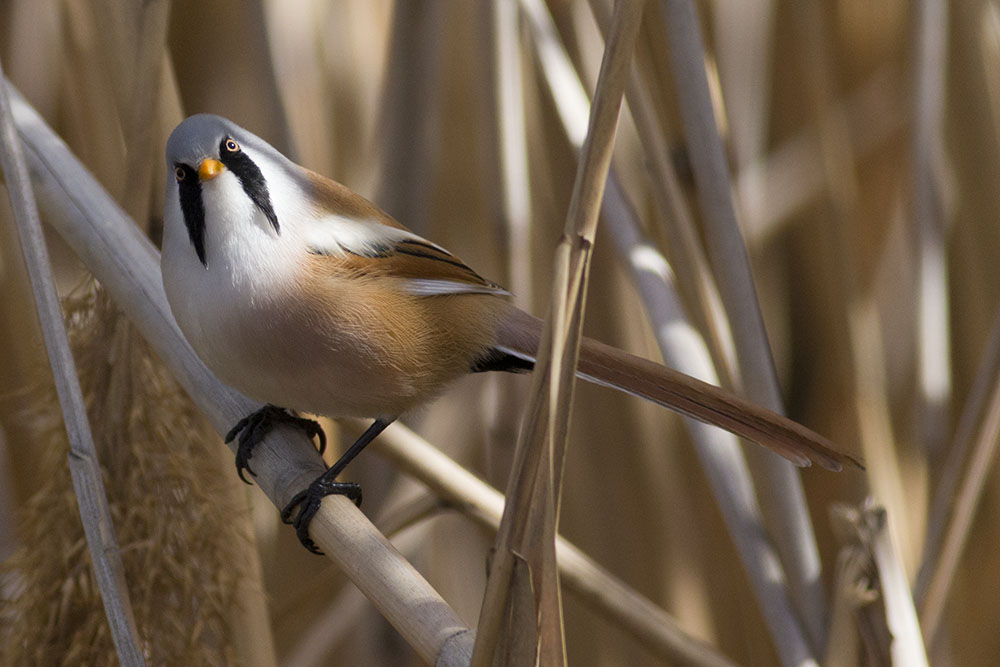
(343, 360)
(295, 365)
(360, 349)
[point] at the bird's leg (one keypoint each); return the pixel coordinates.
(252, 429)
(308, 501)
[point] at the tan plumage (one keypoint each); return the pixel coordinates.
(301, 293)
(423, 344)
(405, 350)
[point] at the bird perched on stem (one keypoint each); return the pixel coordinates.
(302, 294)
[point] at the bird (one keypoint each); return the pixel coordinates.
(305, 296)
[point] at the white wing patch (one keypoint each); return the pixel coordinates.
(434, 287)
(338, 235)
(524, 356)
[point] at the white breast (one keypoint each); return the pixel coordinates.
(238, 314)
(220, 305)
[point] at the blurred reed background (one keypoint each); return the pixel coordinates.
(862, 141)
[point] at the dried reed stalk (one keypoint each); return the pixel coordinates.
(83, 460)
(876, 580)
(680, 344)
(960, 490)
(972, 451)
(525, 546)
(513, 150)
(719, 451)
(682, 239)
(784, 505)
(841, 190)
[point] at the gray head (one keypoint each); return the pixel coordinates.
(202, 147)
(199, 137)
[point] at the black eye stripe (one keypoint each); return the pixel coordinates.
(250, 178)
(189, 193)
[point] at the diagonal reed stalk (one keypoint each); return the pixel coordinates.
(972, 451)
(682, 239)
(959, 493)
(680, 344)
(784, 505)
(91, 497)
(525, 545)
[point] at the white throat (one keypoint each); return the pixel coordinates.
(249, 266)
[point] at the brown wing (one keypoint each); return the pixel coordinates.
(371, 242)
(341, 200)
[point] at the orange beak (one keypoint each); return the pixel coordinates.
(209, 169)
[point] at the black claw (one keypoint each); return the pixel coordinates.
(235, 430)
(321, 434)
(313, 430)
(286, 513)
(243, 454)
(252, 429)
(308, 503)
(242, 465)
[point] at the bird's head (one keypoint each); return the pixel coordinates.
(223, 180)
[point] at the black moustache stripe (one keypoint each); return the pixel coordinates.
(189, 189)
(251, 179)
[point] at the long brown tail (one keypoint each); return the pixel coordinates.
(605, 365)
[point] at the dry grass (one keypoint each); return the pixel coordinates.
(176, 522)
(863, 148)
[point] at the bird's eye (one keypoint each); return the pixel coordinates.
(232, 146)
(179, 173)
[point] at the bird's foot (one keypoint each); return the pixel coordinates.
(252, 429)
(308, 503)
